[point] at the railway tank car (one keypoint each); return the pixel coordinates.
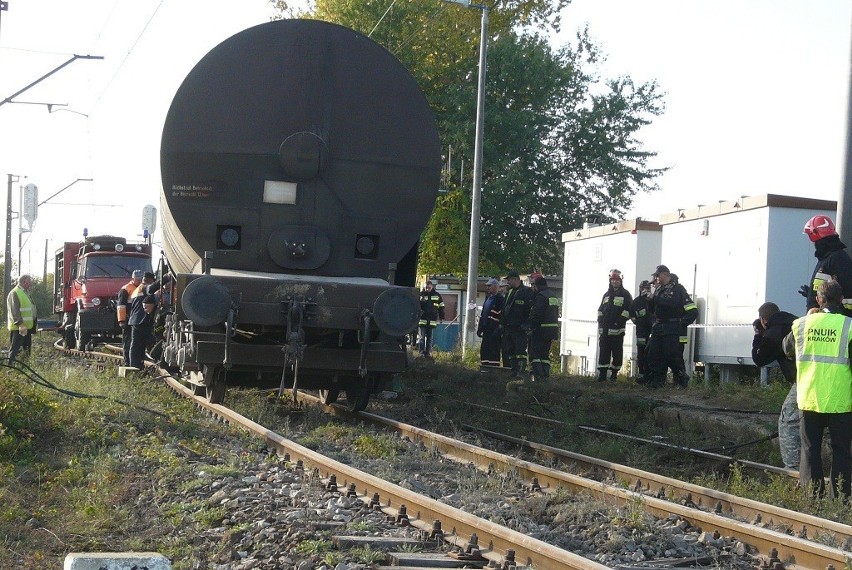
(300, 163)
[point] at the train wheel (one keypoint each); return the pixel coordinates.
(329, 397)
(214, 384)
(358, 396)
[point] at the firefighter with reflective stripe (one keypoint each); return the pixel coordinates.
(488, 328)
(141, 318)
(613, 313)
(21, 317)
(673, 311)
(122, 309)
(820, 342)
(544, 328)
(833, 262)
(431, 310)
(643, 319)
(514, 323)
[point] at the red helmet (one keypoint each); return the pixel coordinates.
(819, 227)
(615, 274)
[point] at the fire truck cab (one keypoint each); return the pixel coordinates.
(88, 276)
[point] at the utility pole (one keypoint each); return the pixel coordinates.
(7, 259)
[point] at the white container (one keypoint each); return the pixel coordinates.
(634, 248)
(734, 256)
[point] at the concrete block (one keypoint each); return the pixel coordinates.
(116, 561)
(125, 371)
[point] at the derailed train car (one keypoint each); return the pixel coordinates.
(300, 163)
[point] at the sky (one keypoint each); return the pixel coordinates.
(756, 95)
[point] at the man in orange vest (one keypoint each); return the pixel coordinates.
(123, 309)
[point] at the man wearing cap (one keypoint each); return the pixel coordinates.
(544, 328)
(431, 310)
(673, 311)
(613, 313)
(514, 323)
(141, 318)
(122, 309)
(643, 319)
(489, 325)
(21, 317)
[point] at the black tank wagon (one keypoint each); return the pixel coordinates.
(300, 163)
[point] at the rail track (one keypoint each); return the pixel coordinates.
(785, 543)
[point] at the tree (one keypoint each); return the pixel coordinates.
(559, 142)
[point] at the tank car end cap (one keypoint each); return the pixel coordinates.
(396, 312)
(206, 301)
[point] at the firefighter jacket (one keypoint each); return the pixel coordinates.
(767, 346)
(516, 311)
(642, 317)
(820, 342)
(832, 261)
(20, 309)
(122, 307)
(673, 310)
(544, 315)
(614, 311)
(138, 316)
(431, 308)
(489, 320)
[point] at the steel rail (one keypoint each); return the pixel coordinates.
(712, 499)
(804, 553)
(495, 541)
(500, 540)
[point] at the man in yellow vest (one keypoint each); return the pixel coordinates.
(820, 342)
(21, 316)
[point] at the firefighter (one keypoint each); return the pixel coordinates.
(488, 328)
(673, 310)
(613, 313)
(544, 328)
(832, 261)
(141, 318)
(431, 310)
(122, 309)
(21, 317)
(514, 323)
(643, 319)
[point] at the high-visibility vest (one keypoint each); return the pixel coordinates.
(121, 308)
(26, 310)
(823, 376)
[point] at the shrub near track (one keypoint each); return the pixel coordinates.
(81, 475)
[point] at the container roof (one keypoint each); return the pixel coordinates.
(631, 226)
(747, 203)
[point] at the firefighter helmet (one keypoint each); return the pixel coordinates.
(819, 227)
(615, 274)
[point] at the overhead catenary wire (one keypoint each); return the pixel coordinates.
(129, 51)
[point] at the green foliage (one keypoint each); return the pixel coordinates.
(366, 555)
(377, 446)
(560, 141)
(41, 292)
(318, 546)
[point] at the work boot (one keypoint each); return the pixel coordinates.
(601, 374)
(516, 372)
(545, 371)
(613, 373)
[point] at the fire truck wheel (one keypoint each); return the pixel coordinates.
(68, 337)
(82, 338)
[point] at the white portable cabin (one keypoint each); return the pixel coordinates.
(734, 256)
(634, 248)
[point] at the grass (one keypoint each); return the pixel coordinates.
(83, 474)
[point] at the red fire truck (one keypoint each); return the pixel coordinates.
(88, 277)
